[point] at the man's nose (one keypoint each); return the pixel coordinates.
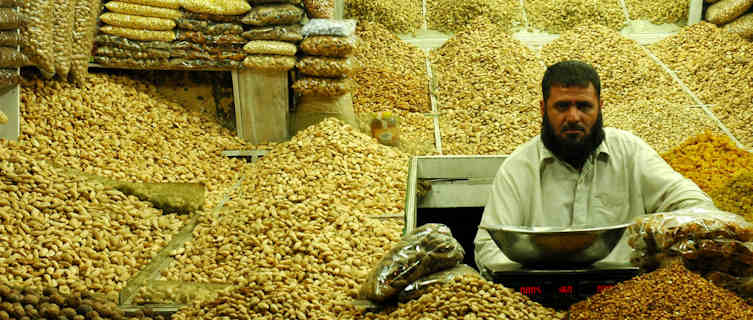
(572, 114)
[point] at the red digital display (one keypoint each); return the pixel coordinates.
(602, 287)
(530, 290)
(565, 289)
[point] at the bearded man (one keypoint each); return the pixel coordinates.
(577, 173)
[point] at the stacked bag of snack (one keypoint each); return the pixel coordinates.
(735, 16)
(715, 244)
(10, 41)
(274, 29)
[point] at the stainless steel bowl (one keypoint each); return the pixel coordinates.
(559, 247)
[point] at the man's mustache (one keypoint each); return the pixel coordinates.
(573, 126)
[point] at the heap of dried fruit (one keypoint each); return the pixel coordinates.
(736, 195)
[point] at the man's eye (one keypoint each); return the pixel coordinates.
(562, 105)
(584, 105)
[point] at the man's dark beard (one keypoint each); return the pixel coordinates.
(573, 152)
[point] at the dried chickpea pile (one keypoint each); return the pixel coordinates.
(709, 160)
(667, 11)
(60, 231)
(487, 85)
(668, 293)
(469, 297)
(736, 195)
(49, 303)
(117, 127)
(455, 16)
(718, 67)
(298, 237)
(397, 16)
(562, 16)
(393, 78)
(638, 95)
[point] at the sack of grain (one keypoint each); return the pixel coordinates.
(63, 37)
(137, 34)
(144, 53)
(329, 46)
(12, 58)
(273, 14)
(9, 19)
(325, 87)
(727, 10)
(742, 26)
(84, 31)
(10, 3)
(320, 9)
(217, 7)
(142, 10)
(269, 63)
(10, 38)
(290, 33)
(37, 34)
(326, 67)
(208, 27)
(270, 47)
(326, 27)
(137, 22)
(9, 77)
(171, 4)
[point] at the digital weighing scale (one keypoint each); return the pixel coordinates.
(453, 190)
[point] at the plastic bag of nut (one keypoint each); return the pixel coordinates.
(208, 27)
(137, 22)
(428, 249)
(660, 231)
(123, 43)
(37, 34)
(203, 38)
(10, 38)
(323, 87)
(84, 31)
(327, 27)
(423, 285)
(12, 58)
(9, 19)
(139, 34)
(742, 26)
(326, 67)
(217, 7)
(329, 46)
(727, 10)
(320, 9)
(130, 62)
(255, 2)
(290, 33)
(171, 4)
(9, 77)
(273, 14)
(269, 63)
(145, 53)
(742, 286)
(142, 10)
(270, 47)
(10, 3)
(63, 40)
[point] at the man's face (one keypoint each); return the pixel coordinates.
(572, 112)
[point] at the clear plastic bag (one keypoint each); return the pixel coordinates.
(428, 249)
(144, 53)
(142, 10)
(84, 31)
(9, 19)
(139, 34)
(269, 63)
(323, 87)
(171, 4)
(10, 38)
(320, 9)
(10, 3)
(270, 47)
(326, 67)
(660, 231)
(742, 286)
(130, 62)
(329, 46)
(190, 54)
(208, 27)
(727, 10)
(37, 33)
(198, 64)
(123, 43)
(385, 127)
(742, 26)
(730, 256)
(326, 27)
(290, 33)
(12, 58)
(63, 38)
(9, 77)
(273, 14)
(217, 7)
(203, 38)
(212, 17)
(423, 285)
(137, 22)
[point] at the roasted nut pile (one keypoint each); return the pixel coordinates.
(709, 160)
(469, 297)
(298, 235)
(639, 96)
(565, 15)
(397, 16)
(716, 66)
(668, 293)
(455, 16)
(117, 127)
(736, 195)
(487, 86)
(60, 231)
(667, 11)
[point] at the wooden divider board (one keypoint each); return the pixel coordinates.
(261, 106)
(10, 102)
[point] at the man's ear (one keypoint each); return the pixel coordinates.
(543, 108)
(601, 104)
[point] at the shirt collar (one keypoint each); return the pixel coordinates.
(602, 151)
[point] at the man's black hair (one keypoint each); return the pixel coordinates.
(570, 73)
